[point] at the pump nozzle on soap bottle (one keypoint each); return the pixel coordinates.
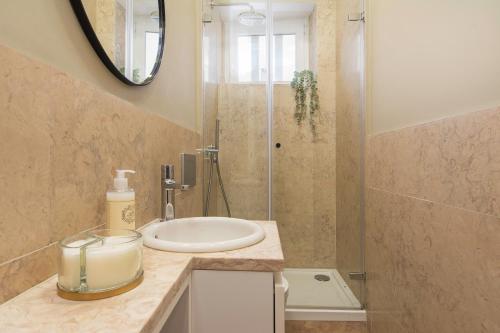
(121, 203)
(120, 182)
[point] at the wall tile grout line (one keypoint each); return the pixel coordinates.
(40, 249)
(433, 122)
(433, 202)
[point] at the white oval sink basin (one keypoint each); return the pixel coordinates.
(202, 234)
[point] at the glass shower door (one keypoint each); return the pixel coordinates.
(316, 150)
(350, 127)
(303, 137)
(283, 124)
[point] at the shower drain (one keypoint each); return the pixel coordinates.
(322, 277)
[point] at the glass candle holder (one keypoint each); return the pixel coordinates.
(100, 261)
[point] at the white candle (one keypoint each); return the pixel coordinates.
(107, 265)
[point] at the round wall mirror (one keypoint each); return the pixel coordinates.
(126, 34)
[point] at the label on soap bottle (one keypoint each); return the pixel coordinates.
(121, 214)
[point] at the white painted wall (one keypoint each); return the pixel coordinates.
(429, 59)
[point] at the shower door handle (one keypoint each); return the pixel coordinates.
(357, 276)
(356, 17)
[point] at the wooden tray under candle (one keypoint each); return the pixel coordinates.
(91, 296)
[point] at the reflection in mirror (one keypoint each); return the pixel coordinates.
(129, 33)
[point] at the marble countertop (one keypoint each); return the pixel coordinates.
(39, 309)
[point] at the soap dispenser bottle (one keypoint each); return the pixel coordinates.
(120, 204)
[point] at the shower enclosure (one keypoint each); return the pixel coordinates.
(283, 135)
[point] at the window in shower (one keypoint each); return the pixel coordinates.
(246, 56)
(284, 61)
(252, 58)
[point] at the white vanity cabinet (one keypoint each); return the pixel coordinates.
(231, 301)
(224, 302)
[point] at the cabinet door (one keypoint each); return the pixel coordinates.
(230, 302)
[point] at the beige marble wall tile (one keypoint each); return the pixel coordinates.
(27, 271)
(243, 150)
(93, 134)
(324, 159)
(25, 148)
(293, 206)
(433, 249)
(306, 217)
(431, 267)
(303, 185)
(453, 161)
(299, 326)
(62, 139)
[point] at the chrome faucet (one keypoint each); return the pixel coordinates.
(168, 187)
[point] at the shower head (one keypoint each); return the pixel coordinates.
(251, 18)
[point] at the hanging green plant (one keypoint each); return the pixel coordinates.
(306, 97)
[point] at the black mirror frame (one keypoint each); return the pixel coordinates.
(82, 17)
